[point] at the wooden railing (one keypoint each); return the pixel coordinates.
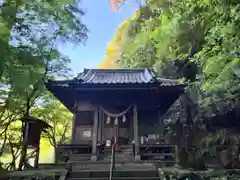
(167, 152)
(112, 167)
(64, 151)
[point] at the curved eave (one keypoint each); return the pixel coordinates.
(30, 119)
(67, 91)
(170, 97)
(64, 94)
(118, 86)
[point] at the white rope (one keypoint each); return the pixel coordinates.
(115, 115)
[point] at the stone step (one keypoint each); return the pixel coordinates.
(117, 173)
(116, 178)
(126, 146)
(106, 167)
(80, 157)
(120, 156)
(120, 149)
(118, 152)
(73, 162)
(118, 160)
(95, 162)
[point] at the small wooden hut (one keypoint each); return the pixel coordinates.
(32, 128)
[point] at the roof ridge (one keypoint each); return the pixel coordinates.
(117, 69)
(123, 75)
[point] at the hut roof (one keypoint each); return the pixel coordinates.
(31, 119)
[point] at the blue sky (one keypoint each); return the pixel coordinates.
(102, 23)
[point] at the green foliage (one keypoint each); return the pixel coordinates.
(219, 140)
(175, 36)
(57, 116)
(115, 47)
(30, 32)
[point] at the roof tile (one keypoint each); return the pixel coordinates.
(122, 76)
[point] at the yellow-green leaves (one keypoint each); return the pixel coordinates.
(202, 32)
(115, 47)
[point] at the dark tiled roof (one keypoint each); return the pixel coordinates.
(122, 76)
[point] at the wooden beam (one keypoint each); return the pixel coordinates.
(160, 120)
(22, 160)
(135, 132)
(144, 86)
(114, 88)
(177, 155)
(36, 160)
(100, 122)
(95, 135)
(73, 126)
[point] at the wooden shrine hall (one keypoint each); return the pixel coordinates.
(116, 105)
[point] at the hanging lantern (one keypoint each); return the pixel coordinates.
(108, 120)
(116, 121)
(124, 119)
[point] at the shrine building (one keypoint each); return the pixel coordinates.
(116, 105)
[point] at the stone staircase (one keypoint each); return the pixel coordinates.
(125, 167)
(80, 157)
(124, 154)
(123, 171)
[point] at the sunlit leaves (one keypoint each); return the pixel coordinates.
(204, 33)
(115, 47)
(29, 34)
(55, 114)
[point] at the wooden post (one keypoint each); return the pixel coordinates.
(102, 125)
(135, 132)
(94, 135)
(161, 124)
(36, 156)
(22, 160)
(176, 156)
(73, 126)
(75, 110)
(100, 121)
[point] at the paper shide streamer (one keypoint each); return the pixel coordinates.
(116, 116)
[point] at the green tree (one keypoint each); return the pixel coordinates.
(186, 34)
(29, 36)
(196, 41)
(56, 115)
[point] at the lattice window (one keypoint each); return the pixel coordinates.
(85, 118)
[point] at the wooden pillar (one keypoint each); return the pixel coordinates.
(176, 155)
(37, 156)
(161, 124)
(95, 135)
(100, 121)
(102, 126)
(135, 132)
(23, 157)
(73, 127)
